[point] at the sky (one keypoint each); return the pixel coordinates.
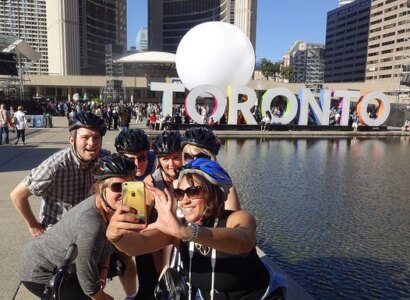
(279, 24)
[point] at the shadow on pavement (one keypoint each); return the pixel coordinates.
(20, 158)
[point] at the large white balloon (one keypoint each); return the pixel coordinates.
(215, 53)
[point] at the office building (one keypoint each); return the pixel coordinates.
(389, 39)
(169, 20)
(27, 20)
(347, 35)
(142, 40)
(79, 30)
(344, 2)
(70, 35)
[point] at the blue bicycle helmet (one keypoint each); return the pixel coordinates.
(88, 120)
(210, 170)
(114, 165)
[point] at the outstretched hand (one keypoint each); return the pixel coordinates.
(167, 222)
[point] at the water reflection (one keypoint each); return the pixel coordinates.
(334, 213)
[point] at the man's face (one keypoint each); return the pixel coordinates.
(88, 143)
(140, 160)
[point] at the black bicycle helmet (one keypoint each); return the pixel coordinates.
(167, 143)
(88, 120)
(132, 141)
(202, 137)
(114, 165)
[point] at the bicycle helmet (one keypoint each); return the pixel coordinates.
(210, 170)
(88, 120)
(167, 143)
(131, 140)
(114, 165)
(202, 137)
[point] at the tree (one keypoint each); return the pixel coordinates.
(287, 73)
(269, 69)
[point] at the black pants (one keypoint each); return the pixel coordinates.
(70, 289)
(21, 133)
(147, 277)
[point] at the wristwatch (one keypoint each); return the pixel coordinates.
(194, 232)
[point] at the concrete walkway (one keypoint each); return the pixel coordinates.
(17, 161)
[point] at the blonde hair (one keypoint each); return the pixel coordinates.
(192, 150)
(20, 107)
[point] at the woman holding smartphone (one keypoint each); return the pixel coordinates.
(217, 246)
(85, 225)
(201, 142)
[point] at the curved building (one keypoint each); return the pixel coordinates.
(169, 20)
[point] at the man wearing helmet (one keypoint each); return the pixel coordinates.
(134, 144)
(65, 178)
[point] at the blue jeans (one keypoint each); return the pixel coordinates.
(6, 130)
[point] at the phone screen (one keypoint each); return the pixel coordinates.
(133, 195)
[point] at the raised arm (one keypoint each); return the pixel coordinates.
(125, 233)
(19, 196)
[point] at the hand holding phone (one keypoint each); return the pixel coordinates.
(133, 195)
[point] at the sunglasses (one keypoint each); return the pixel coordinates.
(192, 192)
(188, 157)
(116, 187)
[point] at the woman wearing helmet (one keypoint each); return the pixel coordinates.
(216, 245)
(85, 225)
(134, 143)
(168, 151)
(167, 148)
(201, 142)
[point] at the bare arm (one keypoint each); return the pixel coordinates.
(232, 203)
(124, 232)
(19, 196)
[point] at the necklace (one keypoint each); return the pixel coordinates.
(204, 250)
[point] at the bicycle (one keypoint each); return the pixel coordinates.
(52, 289)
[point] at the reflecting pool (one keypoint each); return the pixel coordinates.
(333, 213)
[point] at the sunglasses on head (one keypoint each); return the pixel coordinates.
(189, 157)
(192, 192)
(116, 187)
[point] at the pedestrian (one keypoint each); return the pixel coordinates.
(5, 122)
(64, 179)
(19, 120)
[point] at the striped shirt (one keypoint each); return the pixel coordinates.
(61, 183)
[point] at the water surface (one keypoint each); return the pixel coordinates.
(333, 213)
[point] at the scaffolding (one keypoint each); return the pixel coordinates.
(114, 89)
(403, 91)
(12, 85)
(315, 67)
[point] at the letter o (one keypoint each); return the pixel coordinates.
(291, 104)
(217, 94)
(382, 113)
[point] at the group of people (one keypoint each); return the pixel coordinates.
(12, 121)
(192, 205)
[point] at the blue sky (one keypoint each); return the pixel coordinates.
(279, 23)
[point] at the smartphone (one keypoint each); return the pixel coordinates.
(133, 195)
